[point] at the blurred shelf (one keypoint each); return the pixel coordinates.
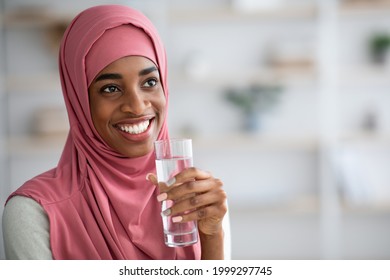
(257, 143)
(365, 8)
(231, 14)
(34, 83)
(35, 16)
(372, 75)
(290, 76)
(365, 138)
(374, 208)
(36, 146)
(263, 143)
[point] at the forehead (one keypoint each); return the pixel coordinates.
(128, 63)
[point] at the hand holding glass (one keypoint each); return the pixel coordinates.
(172, 157)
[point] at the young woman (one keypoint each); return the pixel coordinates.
(102, 201)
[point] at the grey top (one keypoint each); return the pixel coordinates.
(26, 230)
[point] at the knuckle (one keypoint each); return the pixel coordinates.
(190, 185)
(224, 208)
(218, 182)
(202, 213)
(222, 194)
(192, 169)
(194, 201)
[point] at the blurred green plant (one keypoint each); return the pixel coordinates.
(379, 44)
(254, 101)
(256, 98)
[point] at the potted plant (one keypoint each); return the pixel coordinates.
(379, 46)
(253, 101)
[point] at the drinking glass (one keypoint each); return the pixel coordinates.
(173, 156)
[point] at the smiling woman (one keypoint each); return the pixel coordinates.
(102, 200)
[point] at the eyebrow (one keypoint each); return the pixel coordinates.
(109, 76)
(116, 76)
(147, 71)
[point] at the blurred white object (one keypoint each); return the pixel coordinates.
(256, 5)
(197, 66)
(387, 60)
(364, 173)
(227, 236)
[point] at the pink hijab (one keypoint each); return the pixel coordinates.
(99, 204)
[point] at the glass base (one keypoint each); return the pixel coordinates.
(181, 240)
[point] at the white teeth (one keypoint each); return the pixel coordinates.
(136, 128)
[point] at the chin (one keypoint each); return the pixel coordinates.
(136, 151)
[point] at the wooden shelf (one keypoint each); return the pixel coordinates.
(365, 8)
(35, 17)
(230, 14)
(367, 209)
(304, 76)
(253, 143)
(366, 138)
(365, 5)
(34, 145)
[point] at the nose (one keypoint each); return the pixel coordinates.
(134, 102)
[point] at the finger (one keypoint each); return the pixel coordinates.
(215, 212)
(188, 189)
(187, 175)
(193, 203)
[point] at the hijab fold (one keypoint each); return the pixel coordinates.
(99, 204)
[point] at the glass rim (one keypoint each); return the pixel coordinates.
(172, 140)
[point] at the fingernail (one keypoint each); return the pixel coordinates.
(147, 176)
(177, 219)
(171, 181)
(162, 197)
(167, 212)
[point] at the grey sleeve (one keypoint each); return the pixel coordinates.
(26, 230)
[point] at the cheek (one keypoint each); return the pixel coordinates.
(100, 115)
(162, 108)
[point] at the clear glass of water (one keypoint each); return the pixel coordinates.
(173, 156)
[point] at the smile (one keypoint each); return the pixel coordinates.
(135, 128)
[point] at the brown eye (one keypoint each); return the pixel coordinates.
(150, 83)
(110, 89)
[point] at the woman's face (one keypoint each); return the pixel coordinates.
(128, 105)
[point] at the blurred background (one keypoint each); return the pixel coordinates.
(287, 101)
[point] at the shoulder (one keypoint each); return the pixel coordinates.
(49, 187)
(23, 208)
(26, 229)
